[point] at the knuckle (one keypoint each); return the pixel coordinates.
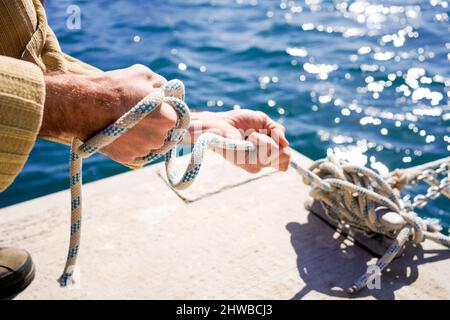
(253, 137)
(248, 112)
(287, 157)
(159, 142)
(142, 69)
(253, 169)
(124, 158)
(172, 121)
(142, 153)
(160, 79)
(260, 113)
(138, 66)
(169, 117)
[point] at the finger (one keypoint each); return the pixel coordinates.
(281, 158)
(232, 133)
(158, 81)
(152, 79)
(138, 141)
(253, 169)
(161, 119)
(285, 159)
(120, 152)
(264, 145)
(240, 158)
(151, 132)
(269, 153)
(275, 130)
(278, 135)
(147, 136)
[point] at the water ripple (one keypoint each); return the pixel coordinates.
(368, 80)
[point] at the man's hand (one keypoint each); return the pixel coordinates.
(253, 126)
(81, 106)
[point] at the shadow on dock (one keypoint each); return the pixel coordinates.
(328, 263)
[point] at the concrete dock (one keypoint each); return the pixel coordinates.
(232, 235)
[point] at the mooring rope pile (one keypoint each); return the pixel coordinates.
(363, 199)
(350, 194)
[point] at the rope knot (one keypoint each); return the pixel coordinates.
(418, 225)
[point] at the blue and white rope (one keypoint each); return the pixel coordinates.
(348, 193)
(173, 94)
(351, 195)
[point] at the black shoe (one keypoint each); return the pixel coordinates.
(16, 272)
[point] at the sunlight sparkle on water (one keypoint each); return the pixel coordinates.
(297, 52)
(321, 70)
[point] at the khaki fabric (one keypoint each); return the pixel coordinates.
(28, 50)
(12, 258)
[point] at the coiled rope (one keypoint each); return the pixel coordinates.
(348, 193)
(361, 198)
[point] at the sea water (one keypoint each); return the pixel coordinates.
(366, 80)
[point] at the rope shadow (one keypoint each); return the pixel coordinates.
(330, 265)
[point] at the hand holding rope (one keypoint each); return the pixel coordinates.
(349, 194)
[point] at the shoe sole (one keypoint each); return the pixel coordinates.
(18, 281)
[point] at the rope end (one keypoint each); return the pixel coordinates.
(352, 289)
(69, 278)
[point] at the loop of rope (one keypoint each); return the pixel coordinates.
(350, 194)
(173, 94)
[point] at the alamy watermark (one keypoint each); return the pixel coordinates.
(73, 21)
(374, 280)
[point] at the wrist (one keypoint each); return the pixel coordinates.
(76, 106)
(60, 109)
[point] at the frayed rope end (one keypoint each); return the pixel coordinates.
(68, 278)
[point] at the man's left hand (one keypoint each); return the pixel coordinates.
(254, 126)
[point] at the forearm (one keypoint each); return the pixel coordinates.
(59, 107)
(82, 105)
(69, 102)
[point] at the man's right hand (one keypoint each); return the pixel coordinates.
(82, 105)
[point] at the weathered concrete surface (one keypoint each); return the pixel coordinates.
(241, 238)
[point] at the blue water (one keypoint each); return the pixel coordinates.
(368, 80)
